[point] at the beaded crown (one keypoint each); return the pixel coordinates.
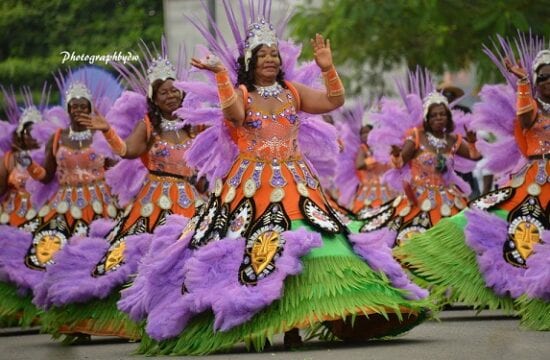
(258, 33)
(78, 90)
(431, 99)
(160, 69)
(542, 58)
(30, 115)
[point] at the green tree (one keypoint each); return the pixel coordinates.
(35, 32)
(438, 34)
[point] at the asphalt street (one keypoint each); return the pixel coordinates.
(459, 334)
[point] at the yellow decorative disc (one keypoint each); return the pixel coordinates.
(218, 187)
(31, 214)
(44, 210)
(4, 218)
(302, 189)
(62, 207)
(277, 195)
(249, 188)
(230, 195)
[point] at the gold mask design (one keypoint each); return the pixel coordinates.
(264, 249)
(46, 248)
(525, 236)
(115, 256)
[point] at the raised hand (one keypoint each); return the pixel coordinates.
(471, 136)
(515, 69)
(322, 52)
(95, 122)
(211, 63)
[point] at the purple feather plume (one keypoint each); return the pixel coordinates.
(486, 234)
(149, 287)
(376, 249)
(126, 179)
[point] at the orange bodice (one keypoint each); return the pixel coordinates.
(168, 158)
(79, 166)
(538, 136)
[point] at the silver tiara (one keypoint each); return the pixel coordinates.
(259, 33)
(431, 99)
(160, 69)
(542, 58)
(30, 115)
(77, 90)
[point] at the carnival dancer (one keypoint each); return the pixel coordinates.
(267, 254)
(17, 212)
(359, 174)
(424, 163)
(500, 245)
(82, 287)
(73, 172)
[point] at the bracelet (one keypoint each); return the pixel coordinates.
(524, 102)
(333, 83)
(36, 171)
(226, 92)
(115, 142)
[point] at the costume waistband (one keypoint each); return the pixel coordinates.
(539, 157)
(175, 176)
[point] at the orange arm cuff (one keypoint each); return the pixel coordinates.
(333, 83)
(226, 92)
(115, 142)
(524, 98)
(36, 171)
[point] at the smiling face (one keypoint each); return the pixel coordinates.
(543, 82)
(438, 118)
(167, 97)
(268, 64)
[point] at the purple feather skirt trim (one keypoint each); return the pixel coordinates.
(537, 275)
(71, 279)
(15, 243)
(376, 249)
(233, 303)
(148, 289)
(486, 234)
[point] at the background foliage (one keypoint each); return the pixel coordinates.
(438, 34)
(35, 32)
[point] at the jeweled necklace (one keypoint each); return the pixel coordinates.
(80, 136)
(435, 142)
(270, 91)
(545, 105)
(172, 125)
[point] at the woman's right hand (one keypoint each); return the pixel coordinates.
(96, 122)
(211, 63)
(515, 69)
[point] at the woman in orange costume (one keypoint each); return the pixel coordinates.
(72, 179)
(17, 212)
(267, 254)
(102, 263)
(501, 251)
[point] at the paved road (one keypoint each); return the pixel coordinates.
(459, 335)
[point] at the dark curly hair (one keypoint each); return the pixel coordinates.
(246, 78)
(153, 111)
(449, 128)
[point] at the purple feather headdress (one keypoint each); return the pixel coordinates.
(213, 151)
(496, 112)
(17, 116)
(127, 177)
(351, 121)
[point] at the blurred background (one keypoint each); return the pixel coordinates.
(373, 40)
